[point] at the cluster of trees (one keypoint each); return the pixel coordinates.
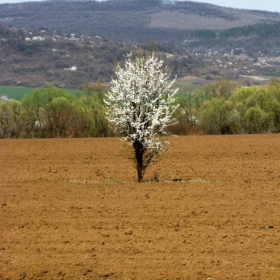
(261, 30)
(222, 107)
(53, 112)
(225, 107)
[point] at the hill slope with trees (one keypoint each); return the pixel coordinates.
(69, 43)
(137, 21)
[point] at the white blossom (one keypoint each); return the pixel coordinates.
(140, 102)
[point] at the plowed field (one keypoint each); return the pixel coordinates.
(71, 209)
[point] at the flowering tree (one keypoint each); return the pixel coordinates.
(140, 106)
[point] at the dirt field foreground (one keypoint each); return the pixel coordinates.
(71, 209)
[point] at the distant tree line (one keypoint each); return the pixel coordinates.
(53, 112)
(225, 107)
(222, 107)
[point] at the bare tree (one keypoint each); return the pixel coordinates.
(140, 106)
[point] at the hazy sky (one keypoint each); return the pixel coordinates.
(268, 5)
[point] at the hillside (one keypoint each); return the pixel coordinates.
(31, 57)
(127, 21)
(69, 43)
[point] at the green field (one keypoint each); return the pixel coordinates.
(18, 93)
(15, 92)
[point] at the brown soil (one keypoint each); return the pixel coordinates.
(71, 209)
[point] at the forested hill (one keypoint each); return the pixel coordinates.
(135, 20)
(69, 43)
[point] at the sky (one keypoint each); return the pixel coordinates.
(268, 5)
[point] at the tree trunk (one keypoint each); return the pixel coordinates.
(139, 152)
